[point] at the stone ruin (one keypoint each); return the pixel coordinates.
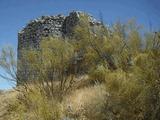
(60, 26)
(45, 26)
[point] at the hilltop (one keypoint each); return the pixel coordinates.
(102, 74)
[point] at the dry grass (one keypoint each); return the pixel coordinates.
(86, 102)
(78, 104)
(6, 98)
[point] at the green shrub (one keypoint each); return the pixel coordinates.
(114, 57)
(98, 74)
(35, 105)
(124, 96)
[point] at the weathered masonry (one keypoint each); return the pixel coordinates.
(60, 26)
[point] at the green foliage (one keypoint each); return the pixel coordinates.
(134, 86)
(98, 74)
(125, 95)
(114, 57)
(35, 105)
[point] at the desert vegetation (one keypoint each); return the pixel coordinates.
(112, 74)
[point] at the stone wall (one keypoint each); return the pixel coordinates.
(59, 26)
(45, 26)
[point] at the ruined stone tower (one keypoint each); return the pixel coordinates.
(60, 26)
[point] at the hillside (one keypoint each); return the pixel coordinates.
(111, 74)
(73, 103)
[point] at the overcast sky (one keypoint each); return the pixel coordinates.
(14, 14)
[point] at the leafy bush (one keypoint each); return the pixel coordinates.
(98, 74)
(34, 104)
(125, 94)
(125, 63)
